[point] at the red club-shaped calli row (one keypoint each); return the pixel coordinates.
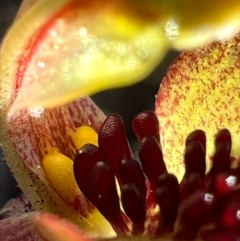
(199, 200)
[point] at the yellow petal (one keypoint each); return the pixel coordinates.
(61, 50)
(195, 23)
(65, 49)
(19, 227)
(201, 90)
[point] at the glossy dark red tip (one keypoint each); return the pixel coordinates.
(168, 209)
(223, 136)
(131, 172)
(167, 197)
(84, 161)
(151, 157)
(146, 124)
(112, 140)
(169, 181)
(221, 160)
(194, 159)
(103, 193)
(197, 135)
(134, 206)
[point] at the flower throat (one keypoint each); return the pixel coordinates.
(151, 200)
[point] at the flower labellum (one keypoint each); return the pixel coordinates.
(60, 53)
(63, 54)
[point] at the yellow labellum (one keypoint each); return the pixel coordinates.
(62, 50)
(70, 55)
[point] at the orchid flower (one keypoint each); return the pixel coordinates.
(72, 161)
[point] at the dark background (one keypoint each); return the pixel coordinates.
(8, 10)
(125, 101)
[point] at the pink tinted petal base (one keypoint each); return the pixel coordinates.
(53, 228)
(19, 228)
(34, 132)
(16, 206)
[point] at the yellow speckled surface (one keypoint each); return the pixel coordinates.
(201, 90)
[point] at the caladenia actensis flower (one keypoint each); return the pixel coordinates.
(54, 54)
